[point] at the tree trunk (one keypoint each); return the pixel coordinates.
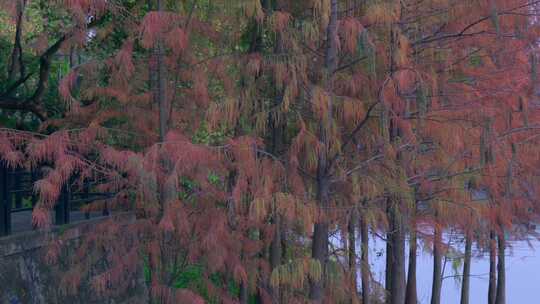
(275, 255)
(332, 38)
(244, 295)
(319, 248)
(465, 282)
(352, 254)
(397, 278)
(160, 91)
(492, 289)
(274, 143)
(501, 272)
(16, 65)
(284, 228)
(389, 263)
(364, 261)
(437, 267)
(389, 253)
(411, 296)
(501, 268)
(72, 55)
(319, 252)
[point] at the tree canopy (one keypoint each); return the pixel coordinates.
(250, 135)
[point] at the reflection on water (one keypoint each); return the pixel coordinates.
(522, 272)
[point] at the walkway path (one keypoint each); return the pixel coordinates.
(22, 221)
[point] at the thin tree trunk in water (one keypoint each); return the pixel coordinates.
(465, 283)
(364, 261)
(389, 253)
(411, 296)
(389, 263)
(397, 291)
(501, 272)
(352, 254)
(437, 267)
(492, 289)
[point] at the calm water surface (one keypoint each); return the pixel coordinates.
(522, 273)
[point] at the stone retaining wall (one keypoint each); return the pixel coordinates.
(26, 278)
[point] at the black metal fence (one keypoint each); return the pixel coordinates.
(17, 195)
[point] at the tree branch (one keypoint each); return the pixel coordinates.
(32, 104)
(44, 68)
(11, 103)
(354, 133)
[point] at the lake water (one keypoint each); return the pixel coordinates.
(522, 273)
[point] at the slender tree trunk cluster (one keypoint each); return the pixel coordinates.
(496, 292)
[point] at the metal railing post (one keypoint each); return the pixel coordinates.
(5, 202)
(17, 181)
(62, 208)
